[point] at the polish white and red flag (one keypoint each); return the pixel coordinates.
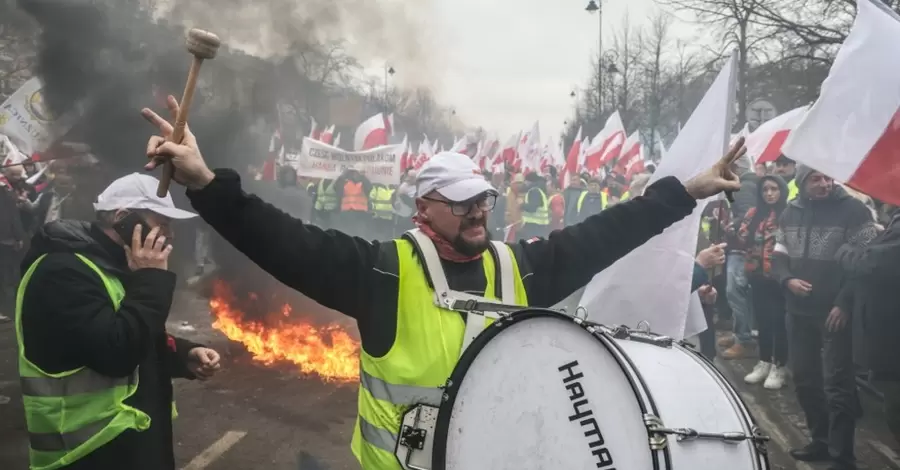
(314, 129)
(371, 133)
(426, 151)
(852, 132)
(337, 140)
(529, 150)
(461, 146)
(508, 153)
(406, 157)
(607, 145)
(764, 144)
(326, 135)
(631, 149)
(572, 163)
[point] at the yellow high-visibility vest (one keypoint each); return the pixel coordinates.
(326, 197)
(793, 190)
(425, 352)
(381, 202)
(541, 215)
(604, 200)
(73, 413)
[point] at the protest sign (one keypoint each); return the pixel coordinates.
(319, 160)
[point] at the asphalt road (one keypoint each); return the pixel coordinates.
(253, 416)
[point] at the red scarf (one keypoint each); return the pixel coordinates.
(445, 249)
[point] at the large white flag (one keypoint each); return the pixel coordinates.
(26, 120)
(653, 282)
(852, 132)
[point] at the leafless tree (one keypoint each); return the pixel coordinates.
(735, 23)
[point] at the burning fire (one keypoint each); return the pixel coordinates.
(328, 351)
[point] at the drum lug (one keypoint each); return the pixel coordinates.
(411, 437)
(658, 439)
(640, 336)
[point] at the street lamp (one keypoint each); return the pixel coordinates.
(611, 58)
(388, 70)
(596, 6)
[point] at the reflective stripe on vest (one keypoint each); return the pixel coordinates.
(71, 414)
(793, 190)
(541, 215)
(604, 200)
(381, 202)
(326, 197)
(353, 198)
(426, 349)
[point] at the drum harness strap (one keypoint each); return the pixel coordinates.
(416, 438)
(476, 308)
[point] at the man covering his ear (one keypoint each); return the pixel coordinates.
(95, 361)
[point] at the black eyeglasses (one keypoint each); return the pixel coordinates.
(484, 202)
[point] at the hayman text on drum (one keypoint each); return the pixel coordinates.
(584, 415)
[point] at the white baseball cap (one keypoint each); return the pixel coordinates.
(454, 175)
(138, 191)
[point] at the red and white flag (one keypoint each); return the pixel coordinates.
(337, 140)
(607, 145)
(313, 129)
(326, 135)
(764, 144)
(631, 150)
(371, 133)
(852, 132)
(572, 162)
(406, 158)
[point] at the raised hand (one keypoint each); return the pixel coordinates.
(720, 177)
(190, 169)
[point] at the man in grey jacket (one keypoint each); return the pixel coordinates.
(815, 231)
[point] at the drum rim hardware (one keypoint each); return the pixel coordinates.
(640, 335)
(659, 434)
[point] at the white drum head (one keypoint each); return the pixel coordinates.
(543, 393)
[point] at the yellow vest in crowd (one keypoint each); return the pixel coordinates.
(793, 190)
(604, 200)
(425, 352)
(541, 215)
(326, 197)
(381, 202)
(73, 413)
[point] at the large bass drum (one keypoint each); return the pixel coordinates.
(544, 390)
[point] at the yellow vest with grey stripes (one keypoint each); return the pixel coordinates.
(425, 351)
(541, 215)
(73, 413)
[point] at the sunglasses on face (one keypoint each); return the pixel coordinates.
(484, 202)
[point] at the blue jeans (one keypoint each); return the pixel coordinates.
(738, 294)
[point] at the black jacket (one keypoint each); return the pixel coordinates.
(341, 272)
(875, 275)
(68, 322)
(812, 237)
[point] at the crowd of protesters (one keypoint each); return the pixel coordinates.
(805, 265)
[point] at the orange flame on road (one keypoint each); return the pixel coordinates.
(327, 351)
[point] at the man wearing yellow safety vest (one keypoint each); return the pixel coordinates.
(592, 201)
(410, 342)
(787, 169)
(326, 203)
(95, 360)
(535, 208)
(382, 211)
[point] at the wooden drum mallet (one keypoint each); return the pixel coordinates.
(202, 45)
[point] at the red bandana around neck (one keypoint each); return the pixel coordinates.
(444, 248)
